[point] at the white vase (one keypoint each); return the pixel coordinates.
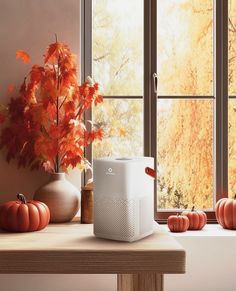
(61, 197)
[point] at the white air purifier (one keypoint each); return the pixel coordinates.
(123, 198)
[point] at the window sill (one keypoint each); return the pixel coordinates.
(210, 230)
(208, 253)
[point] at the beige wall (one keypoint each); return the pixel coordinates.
(30, 25)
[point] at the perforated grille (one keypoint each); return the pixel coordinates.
(114, 217)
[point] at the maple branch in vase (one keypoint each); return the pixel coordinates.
(46, 118)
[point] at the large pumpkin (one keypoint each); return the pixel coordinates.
(197, 218)
(23, 216)
(178, 223)
(226, 212)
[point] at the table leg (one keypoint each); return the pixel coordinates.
(140, 282)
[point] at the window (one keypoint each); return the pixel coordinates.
(185, 104)
(185, 124)
(117, 64)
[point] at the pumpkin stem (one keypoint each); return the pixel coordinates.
(22, 198)
(235, 197)
(193, 208)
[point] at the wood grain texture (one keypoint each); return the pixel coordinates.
(87, 204)
(73, 249)
(140, 282)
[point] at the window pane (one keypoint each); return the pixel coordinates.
(232, 147)
(122, 121)
(117, 46)
(185, 47)
(232, 47)
(185, 153)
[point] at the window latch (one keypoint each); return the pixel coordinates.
(155, 82)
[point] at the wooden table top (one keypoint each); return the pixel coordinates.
(72, 248)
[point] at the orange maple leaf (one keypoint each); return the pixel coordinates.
(20, 54)
(36, 74)
(98, 99)
(10, 89)
(55, 50)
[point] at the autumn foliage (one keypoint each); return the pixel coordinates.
(20, 54)
(44, 125)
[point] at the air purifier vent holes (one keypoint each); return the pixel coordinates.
(118, 211)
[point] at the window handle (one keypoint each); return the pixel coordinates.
(155, 82)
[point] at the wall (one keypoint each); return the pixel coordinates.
(30, 25)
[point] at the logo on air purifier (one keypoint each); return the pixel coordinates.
(110, 172)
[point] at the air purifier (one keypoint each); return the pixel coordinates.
(123, 198)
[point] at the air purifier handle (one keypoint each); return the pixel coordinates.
(151, 172)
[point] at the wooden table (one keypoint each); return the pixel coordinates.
(72, 249)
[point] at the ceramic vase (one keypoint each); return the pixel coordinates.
(61, 197)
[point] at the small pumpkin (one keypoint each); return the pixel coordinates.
(178, 223)
(197, 218)
(226, 212)
(23, 216)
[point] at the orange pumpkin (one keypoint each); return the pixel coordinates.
(226, 212)
(23, 216)
(197, 218)
(178, 223)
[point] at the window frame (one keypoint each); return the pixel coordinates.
(220, 91)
